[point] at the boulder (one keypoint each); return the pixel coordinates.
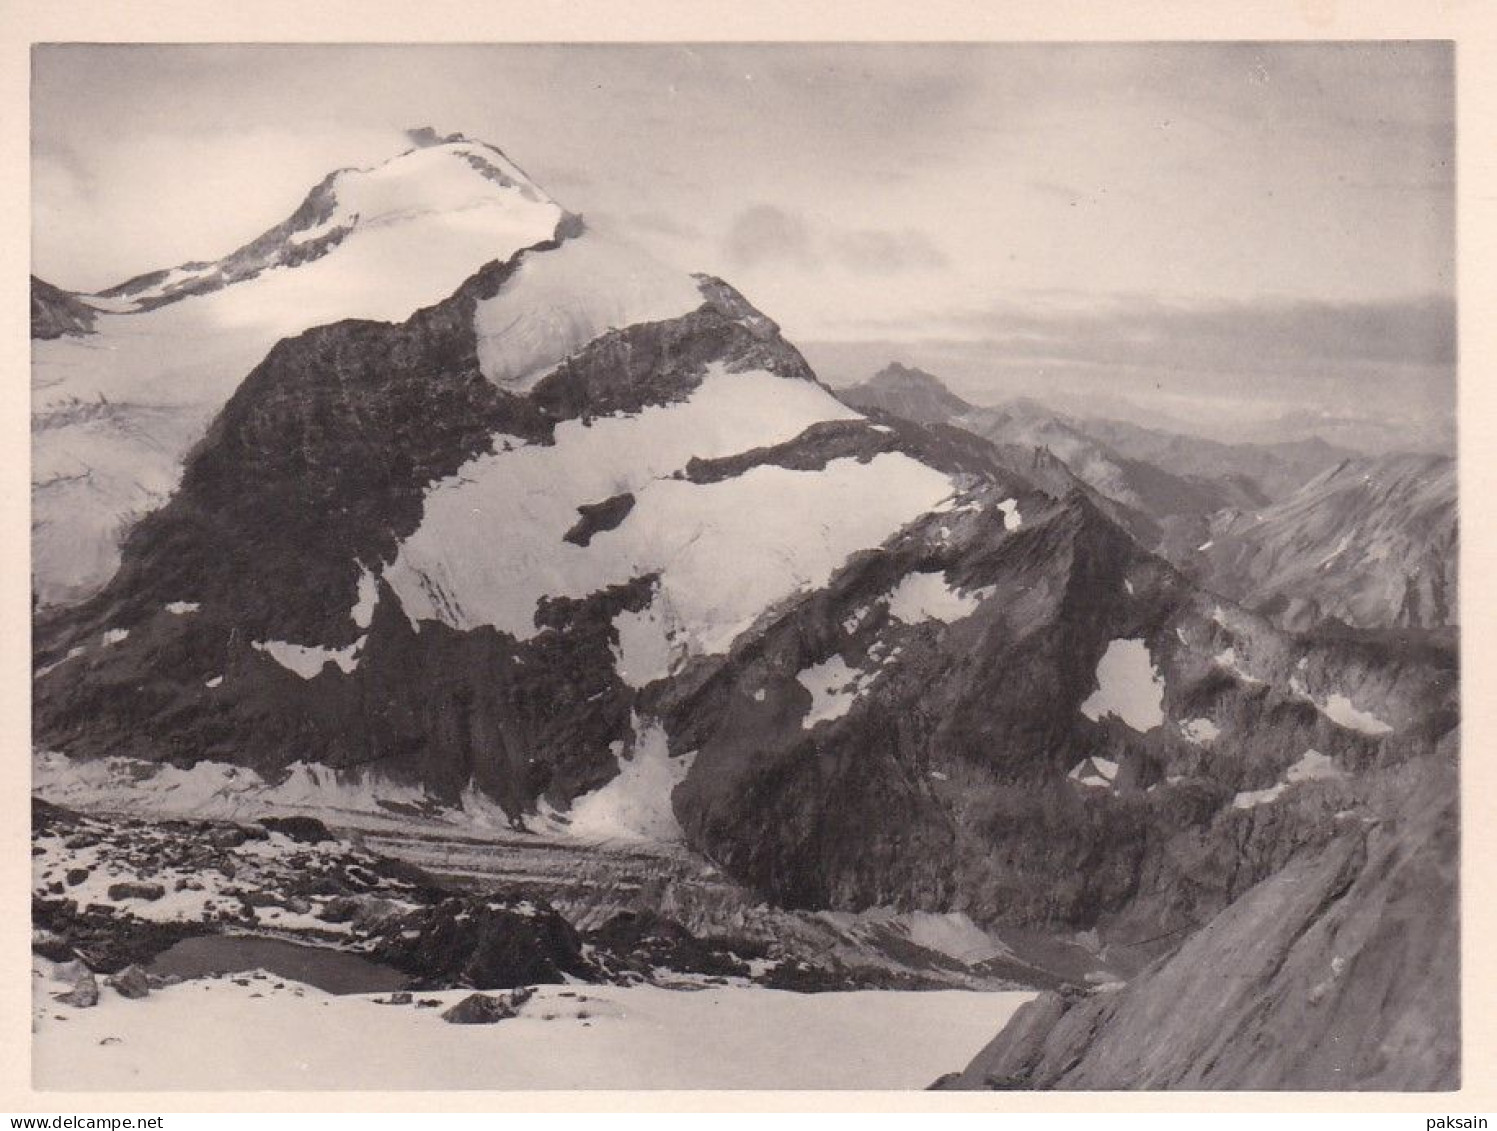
(132, 889)
(84, 994)
(484, 1009)
(339, 909)
(130, 982)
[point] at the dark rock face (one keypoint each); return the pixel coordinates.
(56, 312)
(1338, 972)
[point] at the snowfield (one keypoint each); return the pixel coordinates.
(491, 543)
(213, 1035)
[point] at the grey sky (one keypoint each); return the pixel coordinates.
(1204, 216)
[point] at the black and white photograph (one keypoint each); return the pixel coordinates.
(705, 566)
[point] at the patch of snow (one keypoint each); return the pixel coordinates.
(73, 654)
(853, 619)
(927, 596)
(1313, 766)
(362, 613)
(646, 650)
(881, 428)
(1011, 517)
(308, 660)
(1341, 711)
(953, 934)
(939, 776)
(1129, 687)
(636, 805)
(216, 681)
(834, 687)
(1095, 771)
(1204, 546)
(116, 635)
(182, 608)
(1128, 587)
(1228, 661)
(1200, 731)
(1253, 798)
(759, 695)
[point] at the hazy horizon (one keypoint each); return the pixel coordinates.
(1229, 232)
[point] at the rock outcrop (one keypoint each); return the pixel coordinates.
(56, 312)
(1371, 543)
(1340, 971)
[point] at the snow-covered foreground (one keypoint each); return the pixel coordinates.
(215, 1034)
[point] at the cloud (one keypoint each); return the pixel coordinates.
(1218, 336)
(767, 234)
(877, 252)
(763, 233)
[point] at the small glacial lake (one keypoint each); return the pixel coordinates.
(332, 971)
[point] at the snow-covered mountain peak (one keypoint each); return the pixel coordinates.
(464, 188)
(127, 383)
(446, 177)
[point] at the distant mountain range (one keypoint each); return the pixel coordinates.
(1300, 530)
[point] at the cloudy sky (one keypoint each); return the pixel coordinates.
(1232, 233)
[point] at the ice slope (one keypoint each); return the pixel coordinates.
(491, 544)
(115, 412)
(558, 302)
